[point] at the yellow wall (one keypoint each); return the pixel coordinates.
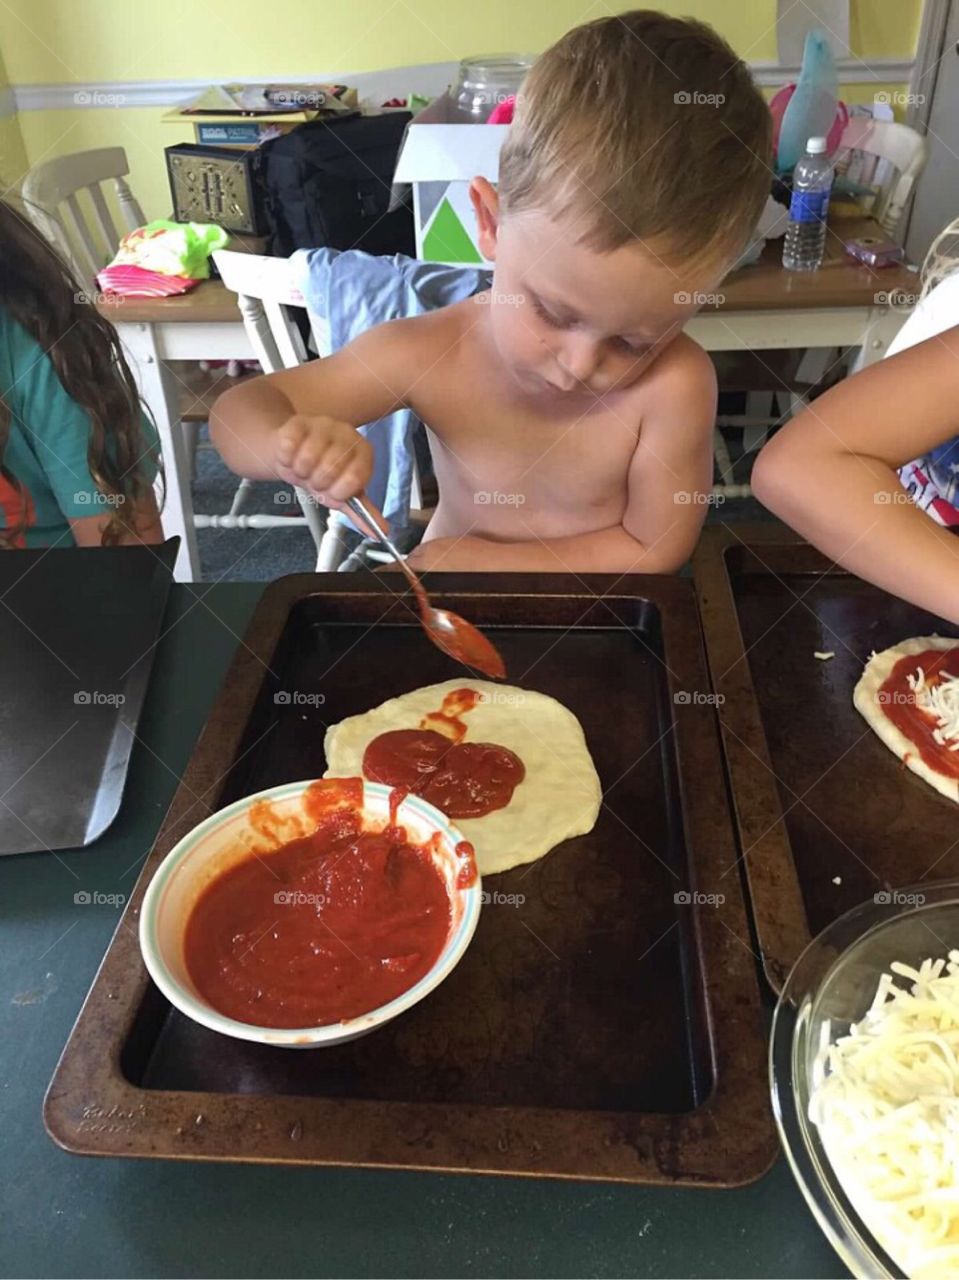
(94, 41)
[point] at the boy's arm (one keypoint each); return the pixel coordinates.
(299, 425)
(669, 482)
(831, 473)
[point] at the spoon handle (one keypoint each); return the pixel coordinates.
(359, 508)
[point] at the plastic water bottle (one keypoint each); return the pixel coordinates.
(806, 231)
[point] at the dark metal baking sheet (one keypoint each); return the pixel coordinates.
(78, 630)
(600, 1025)
(827, 817)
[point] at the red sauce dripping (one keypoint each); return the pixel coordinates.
(324, 928)
(899, 704)
(467, 875)
(449, 719)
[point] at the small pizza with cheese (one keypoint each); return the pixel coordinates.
(909, 695)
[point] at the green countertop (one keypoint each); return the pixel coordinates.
(64, 1215)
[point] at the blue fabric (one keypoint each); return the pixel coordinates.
(353, 291)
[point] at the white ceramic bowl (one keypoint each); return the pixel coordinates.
(225, 839)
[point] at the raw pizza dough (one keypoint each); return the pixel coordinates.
(866, 700)
(559, 797)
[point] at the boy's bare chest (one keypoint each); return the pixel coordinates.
(484, 431)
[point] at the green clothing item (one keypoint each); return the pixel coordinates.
(46, 449)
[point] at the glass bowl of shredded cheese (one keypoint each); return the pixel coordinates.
(864, 1069)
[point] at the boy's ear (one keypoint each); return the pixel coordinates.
(486, 207)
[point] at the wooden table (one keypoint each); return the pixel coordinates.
(757, 308)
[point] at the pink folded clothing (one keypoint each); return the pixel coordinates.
(138, 282)
(503, 111)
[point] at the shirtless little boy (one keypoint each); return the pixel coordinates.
(570, 419)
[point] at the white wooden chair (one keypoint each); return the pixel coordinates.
(54, 192)
(905, 152)
(265, 294)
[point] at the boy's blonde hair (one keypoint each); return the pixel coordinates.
(644, 127)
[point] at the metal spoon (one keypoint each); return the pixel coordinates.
(448, 631)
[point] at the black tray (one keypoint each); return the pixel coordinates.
(602, 1027)
(78, 630)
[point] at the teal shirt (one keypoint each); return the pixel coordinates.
(46, 448)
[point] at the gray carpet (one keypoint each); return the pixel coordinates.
(260, 555)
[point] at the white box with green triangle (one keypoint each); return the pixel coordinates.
(439, 158)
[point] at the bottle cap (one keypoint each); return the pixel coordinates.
(816, 146)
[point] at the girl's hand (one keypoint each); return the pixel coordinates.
(329, 458)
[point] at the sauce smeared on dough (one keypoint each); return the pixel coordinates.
(902, 704)
(463, 779)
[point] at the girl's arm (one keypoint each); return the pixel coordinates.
(88, 530)
(831, 473)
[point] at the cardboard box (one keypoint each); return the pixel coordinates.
(438, 158)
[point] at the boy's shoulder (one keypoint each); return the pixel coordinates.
(427, 337)
(682, 378)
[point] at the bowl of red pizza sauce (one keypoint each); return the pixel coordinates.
(311, 913)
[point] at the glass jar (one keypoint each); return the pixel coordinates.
(485, 81)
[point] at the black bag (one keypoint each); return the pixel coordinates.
(328, 184)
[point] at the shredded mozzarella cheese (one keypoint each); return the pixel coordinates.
(886, 1100)
(941, 700)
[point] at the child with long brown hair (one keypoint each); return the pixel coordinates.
(78, 456)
